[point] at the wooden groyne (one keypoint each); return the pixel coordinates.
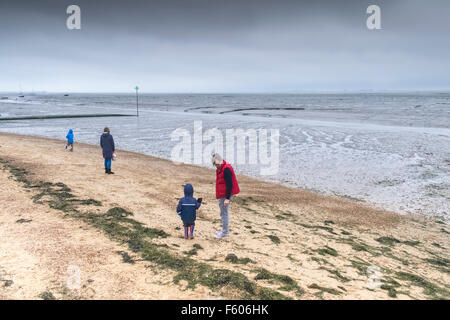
(64, 116)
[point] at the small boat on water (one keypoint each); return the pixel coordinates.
(66, 95)
(4, 98)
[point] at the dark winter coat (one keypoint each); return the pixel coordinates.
(107, 144)
(187, 206)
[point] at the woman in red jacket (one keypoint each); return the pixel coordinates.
(226, 187)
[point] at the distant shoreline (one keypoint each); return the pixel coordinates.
(132, 93)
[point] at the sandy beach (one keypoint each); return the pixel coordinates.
(68, 231)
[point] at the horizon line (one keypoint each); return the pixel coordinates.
(236, 93)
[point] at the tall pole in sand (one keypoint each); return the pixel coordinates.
(137, 101)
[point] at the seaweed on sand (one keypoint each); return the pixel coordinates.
(47, 295)
(327, 250)
(234, 259)
(287, 282)
(117, 223)
(429, 288)
(274, 239)
(323, 289)
(126, 258)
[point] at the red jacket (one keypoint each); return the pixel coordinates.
(221, 187)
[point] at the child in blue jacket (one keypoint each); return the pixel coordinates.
(187, 210)
(69, 138)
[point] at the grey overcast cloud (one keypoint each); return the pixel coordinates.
(224, 46)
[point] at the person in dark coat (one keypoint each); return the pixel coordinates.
(108, 148)
(187, 210)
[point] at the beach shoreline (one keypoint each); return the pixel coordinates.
(323, 244)
(389, 150)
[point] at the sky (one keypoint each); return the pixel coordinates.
(208, 46)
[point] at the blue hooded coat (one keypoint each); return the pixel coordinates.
(188, 205)
(107, 144)
(69, 136)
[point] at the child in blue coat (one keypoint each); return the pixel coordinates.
(187, 210)
(69, 138)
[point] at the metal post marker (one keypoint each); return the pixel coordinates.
(137, 101)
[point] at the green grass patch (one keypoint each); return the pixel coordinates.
(441, 264)
(411, 243)
(321, 261)
(274, 239)
(57, 195)
(361, 246)
(429, 288)
(287, 283)
(316, 227)
(361, 266)
(126, 258)
(388, 241)
(91, 202)
(391, 286)
(289, 256)
(392, 292)
(287, 214)
(282, 215)
(327, 251)
(117, 223)
(234, 259)
(47, 295)
(396, 257)
(324, 289)
(246, 202)
(338, 275)
(126, 230)
(6, 283)
(194, 251)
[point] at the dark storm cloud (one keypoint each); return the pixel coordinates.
(208, 45)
